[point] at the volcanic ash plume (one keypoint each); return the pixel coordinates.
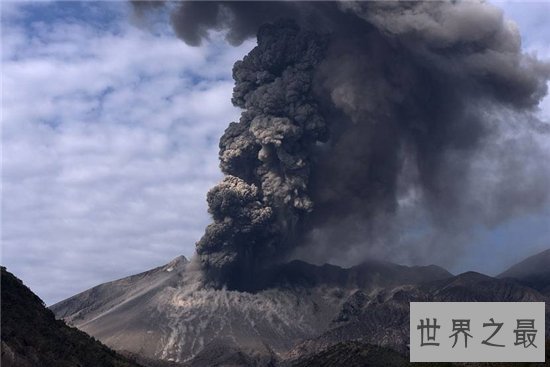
(266, 155)
(359, 118)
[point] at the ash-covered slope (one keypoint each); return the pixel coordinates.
(163, 314)
(31, 336)
(382, 317)
(298, 310)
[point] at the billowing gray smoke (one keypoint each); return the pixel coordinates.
(363, 120)
(266, 155)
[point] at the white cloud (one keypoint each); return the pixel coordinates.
(109, 146)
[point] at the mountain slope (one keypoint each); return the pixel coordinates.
(298, 312)
(31, 336)
(382, 317)
(163, 314)
(533, 271)
(533, 265)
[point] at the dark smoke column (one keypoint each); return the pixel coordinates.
(434, 133)
(266, 156)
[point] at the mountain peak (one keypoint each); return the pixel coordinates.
(531, 266)
(533, 272)
(177, 263)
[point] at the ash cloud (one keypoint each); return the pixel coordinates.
(266, 155)
(377, 128)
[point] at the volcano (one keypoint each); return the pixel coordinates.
(298, 311)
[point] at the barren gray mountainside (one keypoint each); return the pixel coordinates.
(298, 310)
(162, 313)
(382, 318)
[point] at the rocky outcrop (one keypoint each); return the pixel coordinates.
(31, 336)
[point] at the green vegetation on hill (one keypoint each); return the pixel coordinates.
(31, 336)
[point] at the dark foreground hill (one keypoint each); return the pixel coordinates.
(353, 354)
(32, 337)
(300, 314)
(357, 354)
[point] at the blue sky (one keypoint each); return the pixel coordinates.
(110, 128)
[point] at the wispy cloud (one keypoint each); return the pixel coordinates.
(109, 145)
